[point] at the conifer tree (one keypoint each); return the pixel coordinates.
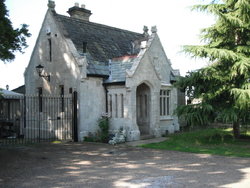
(224, 85)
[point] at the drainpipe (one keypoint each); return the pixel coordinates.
(105, 86)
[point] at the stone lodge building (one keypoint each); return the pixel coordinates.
(114, 71)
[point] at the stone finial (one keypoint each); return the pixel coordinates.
(76, 4)
(145, 31)
(153, 29)
(51, 4)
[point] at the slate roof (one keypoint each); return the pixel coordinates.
(118, 68)
(95, 68)
(103, 42)
(176, 72)
(20, 89)
(6, 94)
(174, 75)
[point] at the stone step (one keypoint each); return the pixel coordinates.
(146, 137)
(148, 141)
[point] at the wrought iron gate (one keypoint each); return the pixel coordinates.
(32, 119)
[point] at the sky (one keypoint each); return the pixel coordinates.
(177, 25)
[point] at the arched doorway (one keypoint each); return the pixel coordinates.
(143, 108)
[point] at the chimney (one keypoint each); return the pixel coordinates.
(79, 12)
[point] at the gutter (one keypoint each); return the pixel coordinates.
(114, 83)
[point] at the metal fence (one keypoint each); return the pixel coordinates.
(32, 119)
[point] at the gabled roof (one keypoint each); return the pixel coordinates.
(103, 42)
(174, 75)
(20, 89)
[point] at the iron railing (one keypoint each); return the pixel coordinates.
(32, 119)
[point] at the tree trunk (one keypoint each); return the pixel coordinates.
(236, 129)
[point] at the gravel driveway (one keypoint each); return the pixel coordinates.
(100, 165)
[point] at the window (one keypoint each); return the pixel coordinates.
(110, 105)
(116, 106)
(122, 106)
(50, 49)
(70, 90)
(61, 98)
(40, 99)
(84, 47)
(164, 102)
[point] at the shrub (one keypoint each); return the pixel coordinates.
(104, 129)
(102, 134)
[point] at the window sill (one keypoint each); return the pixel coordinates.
(162, 118)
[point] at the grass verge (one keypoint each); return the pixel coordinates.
(208, 141)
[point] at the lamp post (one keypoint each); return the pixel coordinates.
(39, 70)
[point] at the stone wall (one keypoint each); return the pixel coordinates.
(118, 108)
(153, 69)
(144, 73)
(57, 55)
(92, 103)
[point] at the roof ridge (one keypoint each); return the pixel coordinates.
(98, 24)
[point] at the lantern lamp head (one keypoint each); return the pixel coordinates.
(39, 69)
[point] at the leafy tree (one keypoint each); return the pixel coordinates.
(224, 85)
(11, 40)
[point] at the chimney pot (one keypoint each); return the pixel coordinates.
(79, 12)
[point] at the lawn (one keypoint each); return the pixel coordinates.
(207, 141)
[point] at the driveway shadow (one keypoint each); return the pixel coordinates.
(102, 165)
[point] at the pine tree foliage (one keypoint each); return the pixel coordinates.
(224, 85)
(11, 40)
